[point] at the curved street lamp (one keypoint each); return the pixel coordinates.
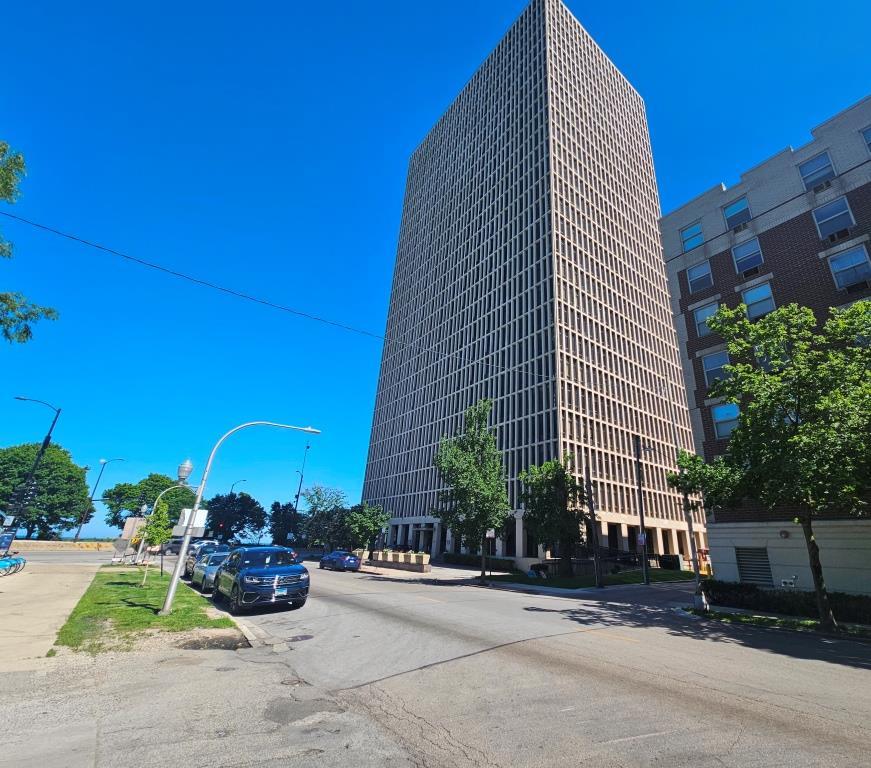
(103, 463)
(176, 573)
(183, 473)
(235, 484)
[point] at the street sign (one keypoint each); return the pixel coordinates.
(7, 520)
(6, 540)
(199, 520)
(196, 532)
(131, 526)
(642, 539)
(491, 533)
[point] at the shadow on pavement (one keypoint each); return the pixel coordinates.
(799, 645)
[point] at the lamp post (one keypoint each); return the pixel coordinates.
(183, 473)
(235, 484)
(639, 476)
(300, 473)
(176, 574)
(23, 489)
(103, 463)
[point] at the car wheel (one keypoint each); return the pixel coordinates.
(216, 595)
(321, 566)
(235, 601)
(294, 605)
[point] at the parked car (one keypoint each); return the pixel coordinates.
(203, 575)
(340, 560)
(200, 549)
(261, 575)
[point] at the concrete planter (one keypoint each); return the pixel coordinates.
(404, 561)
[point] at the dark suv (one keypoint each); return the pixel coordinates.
(259, 575)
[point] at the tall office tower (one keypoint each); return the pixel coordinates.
(529, 271)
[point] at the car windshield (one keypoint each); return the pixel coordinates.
(269, 557)
(218, 559)
(340, 553)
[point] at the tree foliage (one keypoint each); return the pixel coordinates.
(803, 440)
(158, 527)
(364, 522)
(125, 499)
(17, 314)
(326, 517)
(286, 524)
(716, 481)
(235, 515)
(553, 499)
(470, 465)
(60, 493)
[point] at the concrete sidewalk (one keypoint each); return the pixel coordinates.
(34, 604)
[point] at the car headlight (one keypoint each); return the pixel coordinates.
(304, 576)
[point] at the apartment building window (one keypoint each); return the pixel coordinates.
(701, 315)
(866, 134)
(747, 256)
(725, 418)
(737, 213)
(759, 300)
(691, 236)
(851, 268)
(699, 277)
(713, 366)
(833, 218)
(816, 171)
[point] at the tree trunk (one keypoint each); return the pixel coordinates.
(483, 558)
(827, 619)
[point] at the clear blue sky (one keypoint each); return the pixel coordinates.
(264, 146)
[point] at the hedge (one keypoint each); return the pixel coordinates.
(496, 563)
(850, 608)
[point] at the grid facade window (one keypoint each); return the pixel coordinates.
(713, 366)
(701, 315)
(699, 276)
(833, 218)
(747, 255)
(759, 300)
(816, 171)
(725, 417)
(851, 268)
(529, 271)
(737, 213)
(691, 237)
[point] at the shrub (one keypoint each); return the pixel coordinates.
(850, 608)
(496, 563)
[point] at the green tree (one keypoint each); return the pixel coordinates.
(235, 515)
(325, 521)
(803, 439)
(717, 482)
(553, 500)
(59, 493)
(17, 314)
(156, 531)
(286, 524)
(470, 465)
(125, 499)
(364, 522)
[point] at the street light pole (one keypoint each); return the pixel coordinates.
(103, 463)
(22, 489)
(594, 526)
(639, 476)
(299, 488)
(176, 574)
(235, 484)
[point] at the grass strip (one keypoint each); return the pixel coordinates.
(801, 625)
(115, 608)
(579, 582)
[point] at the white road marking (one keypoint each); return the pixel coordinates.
(640, 736)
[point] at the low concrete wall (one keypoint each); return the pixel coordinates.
(49, 546)
(845, 552)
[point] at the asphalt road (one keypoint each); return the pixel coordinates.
(461, 675)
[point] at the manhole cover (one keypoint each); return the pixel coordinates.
(298, 638)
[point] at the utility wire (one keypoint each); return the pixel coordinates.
(265, 302)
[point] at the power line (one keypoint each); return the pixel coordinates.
(264, 302)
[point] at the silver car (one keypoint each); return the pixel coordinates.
(205, 568)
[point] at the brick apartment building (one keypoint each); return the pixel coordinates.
(796, 228)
